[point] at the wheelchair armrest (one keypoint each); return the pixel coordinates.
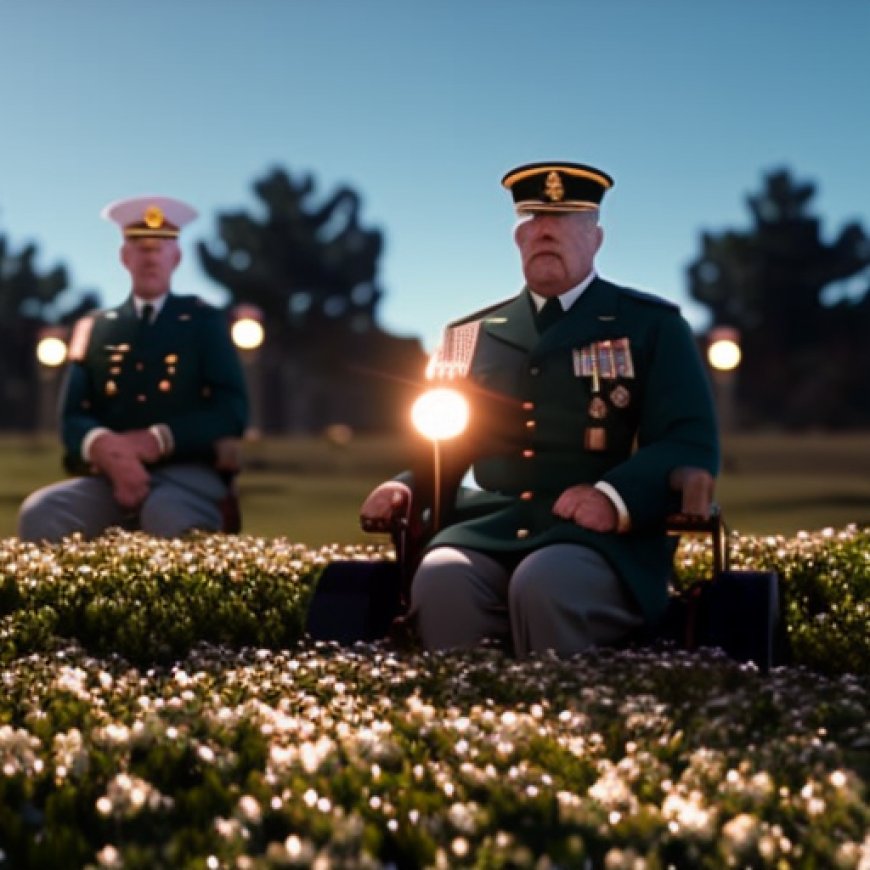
(406, 534)
(697, 486)
(228, 456)
(228, 464)
(699, 514)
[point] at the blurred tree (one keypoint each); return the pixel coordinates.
(29, 300)
(802, 307)
(312, 270)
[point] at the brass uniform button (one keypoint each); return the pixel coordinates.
(164, 386)
(530, 424)
(528, 406)
(528, 454)
(522, 534)
(528, 495)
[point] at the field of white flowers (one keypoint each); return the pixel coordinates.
(161, 707)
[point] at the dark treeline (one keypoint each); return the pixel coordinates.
(800, 303)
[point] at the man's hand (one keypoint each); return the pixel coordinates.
(131, 482)
(383, 504)
(112, 455)
(587, 507)
(143, 443)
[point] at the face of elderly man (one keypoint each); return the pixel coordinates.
(557, 250)
(150, 262)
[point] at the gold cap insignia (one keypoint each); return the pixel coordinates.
(153, 217)
(553, 187)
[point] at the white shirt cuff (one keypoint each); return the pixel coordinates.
(88, 440)
(623, 523)
(163, 434)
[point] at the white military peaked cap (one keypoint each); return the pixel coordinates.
(159, 217)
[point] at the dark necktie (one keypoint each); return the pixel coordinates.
(147, 314)
(550, 313)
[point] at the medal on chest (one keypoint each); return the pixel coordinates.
(604, 363)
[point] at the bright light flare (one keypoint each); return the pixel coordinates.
(247, 333)
(724, 354)
(51, 351)
(440, 414)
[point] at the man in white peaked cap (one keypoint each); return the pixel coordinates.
(153, 385)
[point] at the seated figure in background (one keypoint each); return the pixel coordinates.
(152, 387)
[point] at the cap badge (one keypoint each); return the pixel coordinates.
(553, 187)
(153, 217)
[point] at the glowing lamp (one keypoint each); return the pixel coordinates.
(51, 351)
(723, 349)
(247, 333)
(440, 414)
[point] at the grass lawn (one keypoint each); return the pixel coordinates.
(782, 484)
(309, 490)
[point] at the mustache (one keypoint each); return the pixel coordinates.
(540, 250)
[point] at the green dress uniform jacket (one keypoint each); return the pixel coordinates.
(655, 408)
(182, 370)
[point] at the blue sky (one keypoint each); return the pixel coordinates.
(421, 107)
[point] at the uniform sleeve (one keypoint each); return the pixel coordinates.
(677, 426)
(76, 418)
(222, 408)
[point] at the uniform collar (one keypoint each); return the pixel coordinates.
(566, 299)
(591, 317)
(156, 304)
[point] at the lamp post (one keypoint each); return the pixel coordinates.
(439, 414)
(248, 334)
(724, 355)
(51, 353)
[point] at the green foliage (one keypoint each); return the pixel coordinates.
(825, 588)
(310, 265)
(30, 299)
(366, 758)
(161, 708)
(150, 600)
(804, 358)
(307, 263)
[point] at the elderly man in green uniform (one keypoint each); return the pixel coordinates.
(153, 385)
(566, 547)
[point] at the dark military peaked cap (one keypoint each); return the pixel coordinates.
(155, 217)
(556, 187)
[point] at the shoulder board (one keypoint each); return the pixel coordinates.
(80, 338)
(191, 303)
(193, 308)
(648, 298)
(479, 315)
(452, 358)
